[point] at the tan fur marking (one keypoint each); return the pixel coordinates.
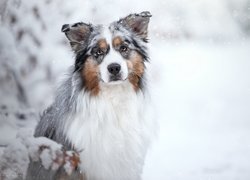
(103, 44)
(117, 41)
(130, 66)
(136, 69)
(90, 75)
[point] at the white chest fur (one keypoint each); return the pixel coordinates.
(112, 133)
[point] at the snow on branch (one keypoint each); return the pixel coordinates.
(17, 156)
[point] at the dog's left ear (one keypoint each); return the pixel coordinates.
(137, 23)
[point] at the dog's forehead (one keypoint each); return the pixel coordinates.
(109, 33)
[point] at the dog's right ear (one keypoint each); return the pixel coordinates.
(77, 34)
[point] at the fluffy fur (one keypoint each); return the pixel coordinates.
(102, 109)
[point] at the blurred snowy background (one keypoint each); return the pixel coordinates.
(200, 68)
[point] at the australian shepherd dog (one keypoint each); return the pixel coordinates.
(102, 109)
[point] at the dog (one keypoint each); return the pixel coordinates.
(102, 108)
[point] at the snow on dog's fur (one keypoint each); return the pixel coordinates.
(101, 110)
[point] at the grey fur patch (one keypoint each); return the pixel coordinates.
(52, 126)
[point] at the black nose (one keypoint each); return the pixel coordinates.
(114, 68)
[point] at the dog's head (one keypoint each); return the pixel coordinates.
(110, 54)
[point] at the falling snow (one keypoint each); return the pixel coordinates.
(199, 81)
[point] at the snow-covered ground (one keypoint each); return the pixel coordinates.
(203, 103)
(200, 69)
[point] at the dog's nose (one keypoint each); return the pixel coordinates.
(114, 68)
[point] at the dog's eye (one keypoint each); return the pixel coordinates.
(123, 48)
(98, 53)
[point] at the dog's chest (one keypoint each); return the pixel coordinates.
(109, 131)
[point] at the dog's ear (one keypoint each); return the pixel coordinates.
(77, 34)
(137, 23)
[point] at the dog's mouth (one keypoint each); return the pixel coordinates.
(115, 78)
